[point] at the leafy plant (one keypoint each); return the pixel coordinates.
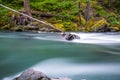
(101, 11)
(3, 16)
(0, 1)
(113, 20)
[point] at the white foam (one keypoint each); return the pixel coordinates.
(90, 38)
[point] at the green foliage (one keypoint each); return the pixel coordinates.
(3, 17)
(15, 4)
(69, 26)
(84, 1)
(12, 1)
(92, 24)
(66, 17)
(66, 5)
(113, 20)
(68, 12)
(0, 1)
(52, 5)
(100, 11)
(46, 5)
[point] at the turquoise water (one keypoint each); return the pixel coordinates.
(95, 57)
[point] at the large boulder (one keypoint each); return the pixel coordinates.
(31, 74)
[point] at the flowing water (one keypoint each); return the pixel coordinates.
(96, 56)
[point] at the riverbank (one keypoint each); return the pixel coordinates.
(64, 15)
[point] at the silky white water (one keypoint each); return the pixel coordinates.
(95, 56)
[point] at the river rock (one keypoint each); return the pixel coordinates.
(70, 36)
(31, 74)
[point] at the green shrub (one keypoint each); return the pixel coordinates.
(52, 5)
(101, 11)
(113, 20)
(0, 1)
(4, 19)
(46, 5)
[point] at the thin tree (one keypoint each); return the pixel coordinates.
(87, 13)
(79, 13)
(109, 4)
(27, 7)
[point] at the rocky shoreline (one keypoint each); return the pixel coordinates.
(31, 74)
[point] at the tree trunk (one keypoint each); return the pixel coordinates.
(109, 4)
(87, 13)
(27, 7)
(79, 13)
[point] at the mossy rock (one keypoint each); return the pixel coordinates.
(35, 23)
(115, 28)
(10, 13)
(99, 23)
(30, 28)
(18, 29)
(56, 21)
(6, 27)
(93, 25)
(2, 23)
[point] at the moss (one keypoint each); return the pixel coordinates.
(113, 20)
(69, 26)
(94, 4)
(75, 27)
(0, 1)
(18, 29)
(116, 27)
(91, 25)
(10, 13)
(101, 11)
(6, 27)
(51, 5)
(59, 26)
(80, 19)
(99, 23)
(2, 23)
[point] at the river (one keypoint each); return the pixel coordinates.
(96, 56)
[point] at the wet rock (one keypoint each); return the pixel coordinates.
(69, 36)
(31, 74)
